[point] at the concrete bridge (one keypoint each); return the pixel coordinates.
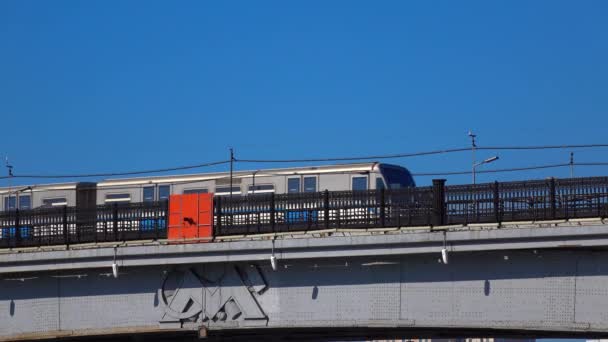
(523, 278)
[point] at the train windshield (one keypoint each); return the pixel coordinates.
(396, 177)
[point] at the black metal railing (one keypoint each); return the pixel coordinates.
(528, 200)
(71, 225)
(263, 213)
(323, 210)
(437, 205)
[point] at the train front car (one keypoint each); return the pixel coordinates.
(395, 177)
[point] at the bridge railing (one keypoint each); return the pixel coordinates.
(73, 225)
(323, 210)
(262, 213)
(528, 200)
(437, 205)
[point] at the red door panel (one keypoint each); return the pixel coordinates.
(191, 217)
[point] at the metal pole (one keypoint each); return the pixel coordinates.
(473, 146)
(571, 164)
(253, 185)
(10, 176)
(231, 169)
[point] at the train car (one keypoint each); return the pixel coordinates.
(36, 196)
(359, 176)
(363, 176)
(137, 208)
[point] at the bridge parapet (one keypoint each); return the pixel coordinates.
(500, 203)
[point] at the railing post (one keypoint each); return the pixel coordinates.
(496, 198)
(382, 208)
(272, 212)
(17, 229)
(438, 202)
(218, 202)
(552, 197)
(326, 208)
(66, 236)
(115, 221)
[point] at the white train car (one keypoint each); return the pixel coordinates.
(359, 176)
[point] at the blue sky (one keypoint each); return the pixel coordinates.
(100, 86)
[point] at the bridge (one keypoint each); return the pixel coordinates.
(542, 276)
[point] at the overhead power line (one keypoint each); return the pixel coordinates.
(541, 147)
(454, 173)
(526, 168)
(425, 153)
(338, 159)
(388, 156)
(419, 174)
(114, 174)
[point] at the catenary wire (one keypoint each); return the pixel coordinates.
(527, 168)
(389, 156)
(129, 173)
(418, 174)
(538, 167)
(418, 154)
(376, 157)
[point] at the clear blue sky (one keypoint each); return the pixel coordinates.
(96, 86)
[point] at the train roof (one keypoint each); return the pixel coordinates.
(323, 169)
(340, 168)
(38, 187)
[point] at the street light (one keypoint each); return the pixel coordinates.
(487, 161)
(473, 148)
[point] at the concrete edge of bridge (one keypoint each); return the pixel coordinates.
(298, 333)
(92, 333)
(331, 243)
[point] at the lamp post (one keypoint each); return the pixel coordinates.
(231, 169)
(487, 161)
(473, 146)
(571, 164)
(475, 164)
(9, 168)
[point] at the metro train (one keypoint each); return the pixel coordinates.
(358, 176)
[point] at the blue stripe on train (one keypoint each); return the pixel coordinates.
(11, 233)
(299, 216)
(152, 224)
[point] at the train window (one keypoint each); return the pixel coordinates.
(379, 183)
(53, 202)
(310, 184)
(225, 190)
(149, 194)
(359, 183)
(25, 201)
(293, 185)
(118, 198)
(10, 203)
(195, 191)
(261, 189)
(396, 177)
(163, 192)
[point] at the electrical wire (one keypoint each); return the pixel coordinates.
(129, 173)
(526, 168)
(418, 154)
(338, 159)
(454, 173)
(541, 147)
(417, 174)
(389, 156)
(262, 175)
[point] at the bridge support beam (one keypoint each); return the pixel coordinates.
(560, 291)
